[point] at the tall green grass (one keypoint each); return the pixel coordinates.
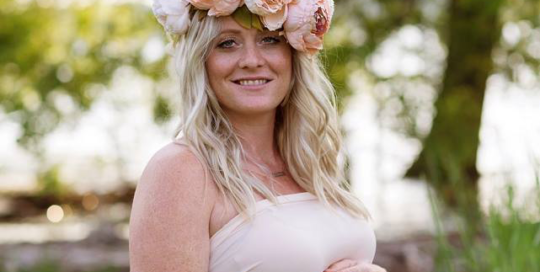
(508, 241)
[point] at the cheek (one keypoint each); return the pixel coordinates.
(219, 67)
(285, 61)
(284, 66)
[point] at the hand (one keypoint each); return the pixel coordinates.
(347, 265)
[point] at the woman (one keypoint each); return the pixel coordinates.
(251, 182)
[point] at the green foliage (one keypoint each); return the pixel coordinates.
(335, 62)
(514, 246)
(247, 19)
(50, 184)
(162, 109)
(509, 242)
(346, 55)
(43, 266)
(52, 52)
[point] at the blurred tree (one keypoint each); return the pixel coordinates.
(346, 53)
(448, 158)
(470, 29)
(55, 60)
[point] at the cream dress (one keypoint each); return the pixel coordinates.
(298, 235)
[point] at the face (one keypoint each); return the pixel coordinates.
(249, 70)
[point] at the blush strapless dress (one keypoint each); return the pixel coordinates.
(298, 235)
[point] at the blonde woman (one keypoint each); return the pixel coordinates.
(251, 181)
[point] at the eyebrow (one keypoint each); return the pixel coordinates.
(231, 31)
(236, 31)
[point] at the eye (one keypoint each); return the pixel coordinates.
(271, 39)
(226, 44)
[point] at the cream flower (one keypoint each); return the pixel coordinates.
(224, 7)
(307, 22)
(266, 7)
(173, 15)
(274, 21)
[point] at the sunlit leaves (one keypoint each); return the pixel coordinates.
(68, 50)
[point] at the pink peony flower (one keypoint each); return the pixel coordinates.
(224, 7)
(274, 21)
(307, 22)
(266, 7)
(173, 15)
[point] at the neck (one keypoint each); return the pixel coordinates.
(256, 134)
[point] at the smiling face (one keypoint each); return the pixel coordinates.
(249, 70)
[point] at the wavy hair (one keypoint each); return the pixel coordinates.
(306, 128)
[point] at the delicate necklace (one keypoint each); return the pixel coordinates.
(278, 174)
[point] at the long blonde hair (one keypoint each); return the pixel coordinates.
(306, 129)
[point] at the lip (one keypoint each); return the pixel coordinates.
(252, 78)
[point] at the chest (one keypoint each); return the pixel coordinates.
(308, 231)
(224, 211)
(302, 235)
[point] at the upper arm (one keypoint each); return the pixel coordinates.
(170, 214)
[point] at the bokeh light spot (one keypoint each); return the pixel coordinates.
(55, 213)
(90, 202)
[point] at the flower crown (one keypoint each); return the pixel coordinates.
(303, 22)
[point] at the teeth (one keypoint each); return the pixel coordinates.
(253, 82)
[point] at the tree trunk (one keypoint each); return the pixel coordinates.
(448, 158)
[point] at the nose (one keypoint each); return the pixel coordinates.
(251, 57)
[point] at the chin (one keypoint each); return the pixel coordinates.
(255, 109)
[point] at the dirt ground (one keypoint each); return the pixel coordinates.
(98, 252)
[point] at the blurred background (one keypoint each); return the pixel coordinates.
(440, 106)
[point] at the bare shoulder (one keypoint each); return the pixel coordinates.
(169, 224)
(175, 169)
(176, 155)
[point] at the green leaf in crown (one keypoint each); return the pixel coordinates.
(246, 19)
